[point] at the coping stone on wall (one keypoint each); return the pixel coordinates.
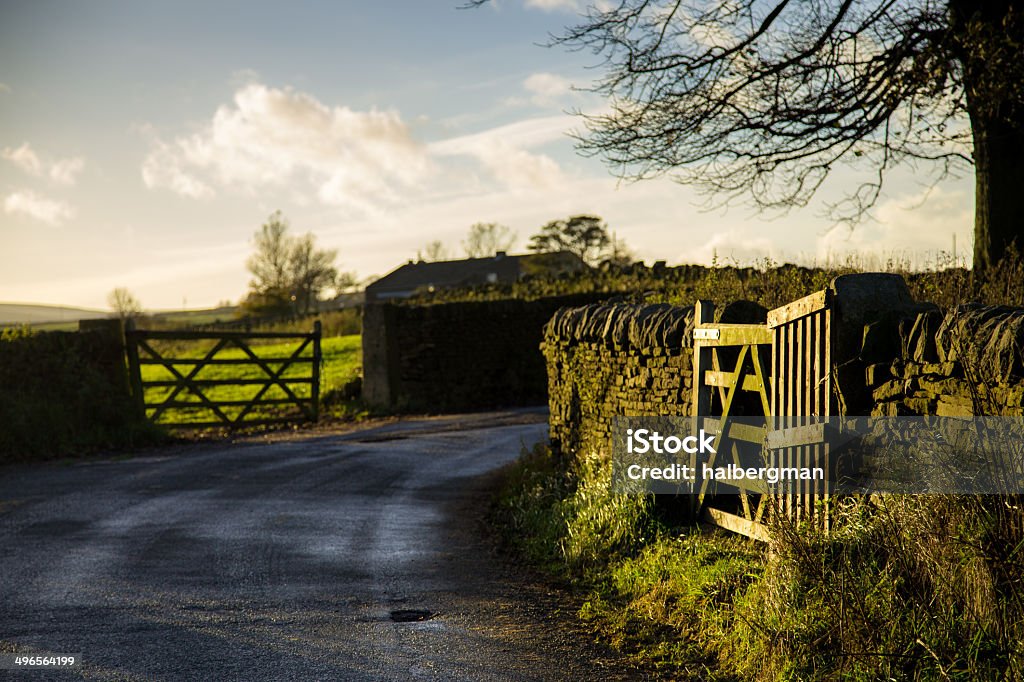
(919, 336)
(624, 325)
(993, 335)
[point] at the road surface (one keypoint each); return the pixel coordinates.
(285, 560)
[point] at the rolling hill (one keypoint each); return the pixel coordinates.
(30, 313)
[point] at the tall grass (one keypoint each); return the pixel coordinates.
(907, 587)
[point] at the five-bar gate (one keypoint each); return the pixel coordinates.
(228, 384)
(762, 386)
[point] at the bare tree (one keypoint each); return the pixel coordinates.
(584, 235)
(270, 263)
(346, 282)
(618, 252)
(486, 239)
(764, 100)
(124, 304)
(289, 273)
(434, 251)
(310, 271)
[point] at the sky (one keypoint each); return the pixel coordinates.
(143, 144)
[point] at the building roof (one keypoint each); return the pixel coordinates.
(416, 275)
(448, 273)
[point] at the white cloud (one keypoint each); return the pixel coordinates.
(731, 246)
(517, 168)
(25, 158)
(26, 202)
(164, 168)
(548, 84)
(914, 227)
(63, 171)
(4, 87)
(503, 151)
(552, 5)
(272, 137)
(547, 88)
(532, 132)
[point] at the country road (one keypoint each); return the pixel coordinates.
(284, 560)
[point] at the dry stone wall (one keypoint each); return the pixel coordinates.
(457, 356)
(636, 360)
(615, 359)
(66, 393)
(968, 360)
(892, 356)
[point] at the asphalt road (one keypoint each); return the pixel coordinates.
(282, 561)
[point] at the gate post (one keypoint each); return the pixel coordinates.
(703, 313)
(700, 398)
(868, 308)
(131, 348)
(317, 358)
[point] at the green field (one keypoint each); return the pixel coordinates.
(342, 360)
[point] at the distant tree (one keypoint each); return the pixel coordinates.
(584, 235)
(124, 304)
(310, 271)
(433, 251)
(289, 273)
(270, 287)
(486, 239)
(346, 282)
(618, 252)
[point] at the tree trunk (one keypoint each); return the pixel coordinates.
(998, 190)
(987, 38)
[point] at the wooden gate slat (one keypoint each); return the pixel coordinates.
(159, 383)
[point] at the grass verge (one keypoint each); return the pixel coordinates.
(657, 593)
(915, 587)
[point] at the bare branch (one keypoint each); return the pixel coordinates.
(762, 100)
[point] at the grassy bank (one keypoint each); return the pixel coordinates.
(910, 588)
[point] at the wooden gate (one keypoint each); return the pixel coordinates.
(784, 366)
(258, 389)
(802, 389)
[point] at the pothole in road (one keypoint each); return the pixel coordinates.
(411, 615)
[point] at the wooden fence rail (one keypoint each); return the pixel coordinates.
(183, 392)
